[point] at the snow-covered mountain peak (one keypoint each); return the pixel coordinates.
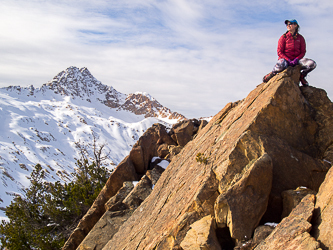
(145, 94)
(79, 83)
(45, 125)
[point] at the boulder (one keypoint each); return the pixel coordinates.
(292, 168)
(137, 157)
(291, 198)
(163, 150)
(164, 137)
(104, 229)
(139, 193)
(201, 236)
(119, 208)
(112, 203)
(147, 147)
(173, 151)
(322, 219)
(238, 214)
(155, 174)
(182, 132)
(261, 233)
(202, 124)
(293, 231)
(323, 115)
(123, 172)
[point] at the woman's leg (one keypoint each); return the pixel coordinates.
(307, 65)
(281, 65)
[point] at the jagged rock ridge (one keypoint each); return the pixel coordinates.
(81, 83)
(139, 163)
(226, 183)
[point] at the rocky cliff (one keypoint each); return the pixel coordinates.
(247, 180)
(119, 198)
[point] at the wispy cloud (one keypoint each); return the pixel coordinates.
(192, 56)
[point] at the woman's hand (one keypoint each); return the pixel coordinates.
(293, 63)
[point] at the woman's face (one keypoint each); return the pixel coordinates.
(291, 27)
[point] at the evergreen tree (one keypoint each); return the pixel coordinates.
(47, 213)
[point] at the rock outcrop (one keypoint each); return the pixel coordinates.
(119, 198)
(124, 172)
(323, 215)
(293, 231)
(226, 183)
(235, 213)
(201, 235)
(291, 198)
(104, 229)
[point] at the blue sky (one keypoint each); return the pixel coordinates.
(192, 56)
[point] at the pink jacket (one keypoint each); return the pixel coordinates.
(290, 47)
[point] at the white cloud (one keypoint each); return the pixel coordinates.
(192, 56)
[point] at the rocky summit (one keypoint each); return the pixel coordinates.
(257, 176)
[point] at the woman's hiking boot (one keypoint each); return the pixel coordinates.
(268, 77)
(303, 81)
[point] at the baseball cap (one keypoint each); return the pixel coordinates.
(291, 21)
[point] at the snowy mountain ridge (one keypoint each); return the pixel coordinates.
(49, 125)
(80, 83)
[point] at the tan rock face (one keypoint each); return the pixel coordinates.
(261, 233)
(163, 150)
(120, 196)
(235, 213)
(124, 172)
(292, 169)
(119, 208)
(263, 143)
(148, 146)
(291, 198)
(323, 216)
(104, 229)
(155, 174)
(155, 142)
(201, 236)
(183, 132)
(139, 193)
(324, 118)
(293, 231)
(174, 150)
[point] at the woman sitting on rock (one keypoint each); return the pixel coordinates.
(291, 50)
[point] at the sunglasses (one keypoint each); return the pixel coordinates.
(290, 24)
